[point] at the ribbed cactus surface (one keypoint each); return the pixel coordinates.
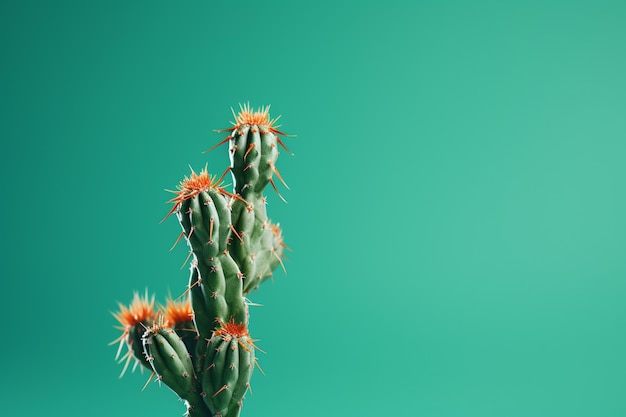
(200, 345)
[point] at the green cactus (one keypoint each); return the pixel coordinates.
(200, 346)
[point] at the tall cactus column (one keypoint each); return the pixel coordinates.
(253, 148)
(201, 348)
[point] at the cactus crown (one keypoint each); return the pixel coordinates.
(232, 329)
(176, 312)
(260, 118)
(140, 310)
(194, 184)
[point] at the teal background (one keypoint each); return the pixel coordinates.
(456, 207)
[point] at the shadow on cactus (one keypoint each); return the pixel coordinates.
(199, 345)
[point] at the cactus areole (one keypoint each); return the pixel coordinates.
(199, 344)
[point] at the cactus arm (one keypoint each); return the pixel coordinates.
(170, 360)
(253, 149)
(230, 357)
(216, 282)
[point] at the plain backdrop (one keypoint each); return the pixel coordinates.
(456, 210)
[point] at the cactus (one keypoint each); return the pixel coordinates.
(199, 345)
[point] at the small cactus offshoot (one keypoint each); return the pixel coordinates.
(199, 344)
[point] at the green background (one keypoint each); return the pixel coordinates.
(456, 209)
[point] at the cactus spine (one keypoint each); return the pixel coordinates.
(200, 347)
